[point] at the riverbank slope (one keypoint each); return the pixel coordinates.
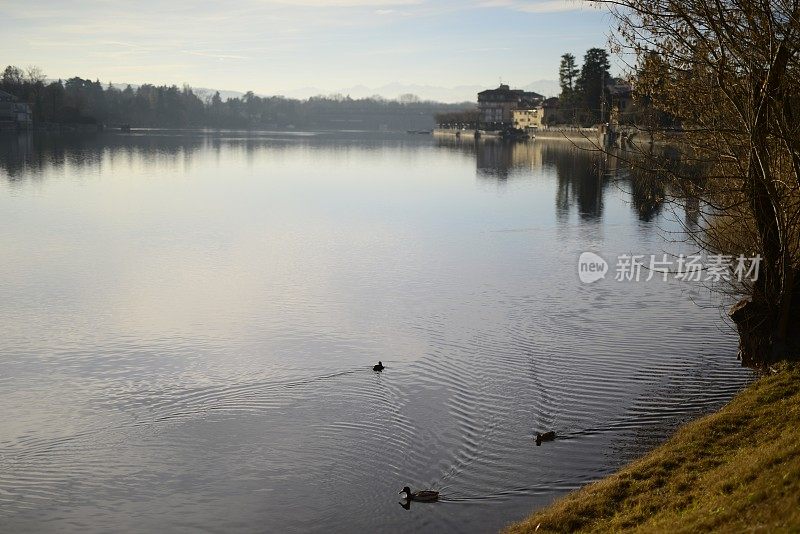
(735, 470)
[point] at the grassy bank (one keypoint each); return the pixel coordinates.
(735, 470)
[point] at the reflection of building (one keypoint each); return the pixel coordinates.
(13, 114)
(526, 119)
(496, 105)
(495, 159)
(583, 178)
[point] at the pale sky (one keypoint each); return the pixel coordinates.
(281, 46)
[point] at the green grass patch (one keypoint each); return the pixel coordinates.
(735, 470)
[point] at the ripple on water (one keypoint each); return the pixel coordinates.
(176, 368)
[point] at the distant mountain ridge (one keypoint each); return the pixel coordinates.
(460, 93)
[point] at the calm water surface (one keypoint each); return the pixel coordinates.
(189, 323)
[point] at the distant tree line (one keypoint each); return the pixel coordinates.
(466, 118)
(82, 101)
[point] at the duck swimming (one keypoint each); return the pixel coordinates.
(420, 496)
(378, 367)
(547, 436)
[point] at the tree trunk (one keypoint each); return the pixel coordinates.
(767, 334)
(762, 319)
(754, 332)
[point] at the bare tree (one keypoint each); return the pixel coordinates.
(35, 75)
(408, 98)
(13, 76)
(728, 71)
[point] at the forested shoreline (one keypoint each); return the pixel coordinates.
(83, 101)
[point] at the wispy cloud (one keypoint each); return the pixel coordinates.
(536, 6)
(266, 45)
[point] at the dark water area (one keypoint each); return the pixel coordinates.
(189, 321)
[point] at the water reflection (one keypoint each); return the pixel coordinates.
(582, 178)
(28, 155)
(16, 154)
(584, 175)
(648, 195)
(495, 159)
(190, 321)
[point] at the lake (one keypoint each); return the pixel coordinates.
(189, 321)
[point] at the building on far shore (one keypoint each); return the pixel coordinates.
(527, 118)
(496, 106)
(14, 115)
(551, 111)
(620, 95)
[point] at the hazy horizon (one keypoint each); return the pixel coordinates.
(442, 94)
(297, 49)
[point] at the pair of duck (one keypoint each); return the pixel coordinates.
(433, 496)
(408, 495)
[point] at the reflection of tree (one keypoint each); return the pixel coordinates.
(30, 155)
(33, 155)
(16, 153)
(581, 175)
(647, 193)
(580, 180)
(652, 192)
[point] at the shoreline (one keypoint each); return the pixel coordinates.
(591, 135)
(736, 469)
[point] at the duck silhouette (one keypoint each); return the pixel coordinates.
(547, 436)
(420, 496)
(378, 367)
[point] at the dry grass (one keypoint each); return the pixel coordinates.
(737, 470)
